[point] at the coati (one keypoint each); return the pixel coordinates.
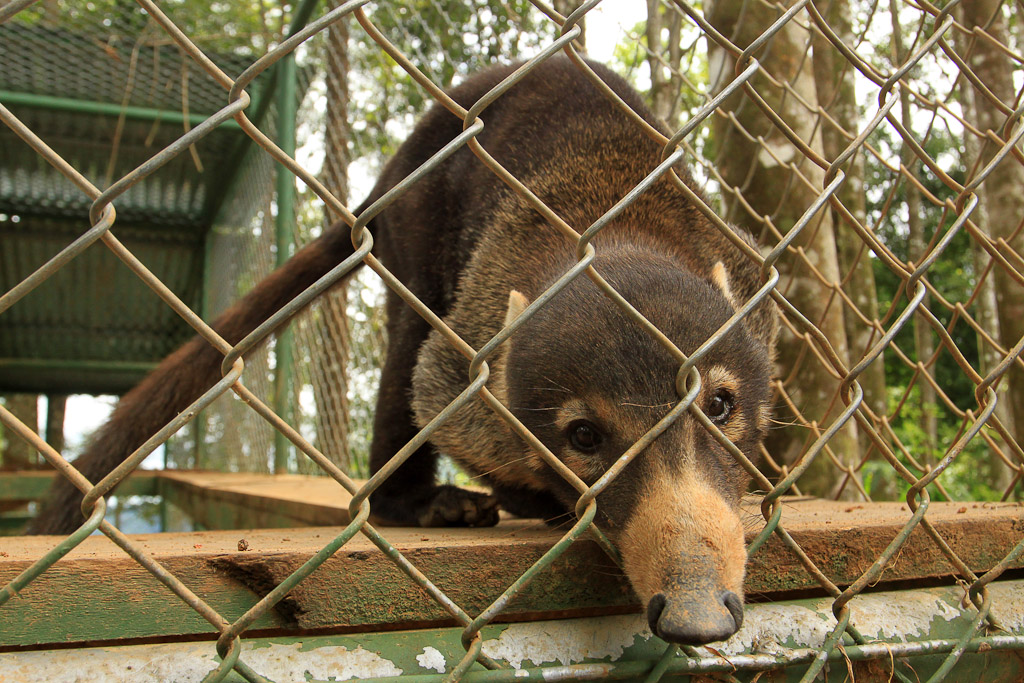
(582, 376)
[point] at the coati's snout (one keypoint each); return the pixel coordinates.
(684, 554)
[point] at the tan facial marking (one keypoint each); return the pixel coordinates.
(570, 411)
(717, 377)
(763, 418)
(680, 525)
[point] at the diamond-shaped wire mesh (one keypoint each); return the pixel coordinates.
(867, 178)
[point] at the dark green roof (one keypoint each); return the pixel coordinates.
(106, 93)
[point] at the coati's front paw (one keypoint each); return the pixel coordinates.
(452, 506)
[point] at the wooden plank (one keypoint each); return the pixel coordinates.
(229, 500)
(98, 593)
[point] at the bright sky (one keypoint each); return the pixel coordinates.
(607, 22)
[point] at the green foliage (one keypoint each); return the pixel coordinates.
(953, 273)
(368, 344)
(628, 55)
(630, 60)
(240, 27)
(967, 478)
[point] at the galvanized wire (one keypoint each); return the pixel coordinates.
(786, 253)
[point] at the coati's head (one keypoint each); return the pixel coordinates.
(589, 382)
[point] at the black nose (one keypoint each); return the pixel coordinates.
(695, 619)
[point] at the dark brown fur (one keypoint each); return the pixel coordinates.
(476, 253)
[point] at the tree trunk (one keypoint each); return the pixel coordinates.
(18, 454)
(987, 316)
(779, 184)
(56, 404)
(834, 82)
(924, 345)
(331, 353)
(1003, 214)
(663, 58)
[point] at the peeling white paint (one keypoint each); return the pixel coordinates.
(566, 642)
(1008, 604)
(901, 617)
(769, 629)
(772, 628)
(291, 664)
(184, 662)
(189, 663)
(432, 659)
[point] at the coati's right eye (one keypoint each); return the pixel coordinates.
(584, 436)
(720, 406)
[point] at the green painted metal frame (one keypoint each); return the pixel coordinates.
(85, 107)
(35, 485)
(282, 82)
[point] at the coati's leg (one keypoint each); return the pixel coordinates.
(411, 495)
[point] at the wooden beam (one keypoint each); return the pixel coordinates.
(98, 593)
(229, 500)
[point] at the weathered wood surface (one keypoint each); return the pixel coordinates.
(228, 500)
(98, 593)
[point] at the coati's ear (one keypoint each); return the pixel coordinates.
(498, 384)
(720, 277)
(517, 303)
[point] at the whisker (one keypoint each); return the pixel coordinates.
(565, 515)
(787, 423)
(554, 383)
(545, 522)
(644, 405)
(498, 467)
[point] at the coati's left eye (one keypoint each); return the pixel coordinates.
(584, 436)
(720, 407)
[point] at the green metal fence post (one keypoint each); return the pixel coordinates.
(205, 311)
(285, 237)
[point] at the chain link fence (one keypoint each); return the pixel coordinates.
(884, 186)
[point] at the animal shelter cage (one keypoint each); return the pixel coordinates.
(872, 149)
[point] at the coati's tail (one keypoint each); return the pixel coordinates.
(183, 376)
